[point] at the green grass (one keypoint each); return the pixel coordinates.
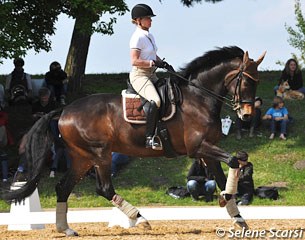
(144, 181)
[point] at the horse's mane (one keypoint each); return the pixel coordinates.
(211, 59)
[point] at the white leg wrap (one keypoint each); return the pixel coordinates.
(232, 208)
(61, 216)
(232, 181)
(125, 206)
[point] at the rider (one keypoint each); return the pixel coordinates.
(144, 60)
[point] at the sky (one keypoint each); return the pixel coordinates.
(181, 35)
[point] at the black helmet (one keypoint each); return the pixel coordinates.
(141, 10)
(18, 62)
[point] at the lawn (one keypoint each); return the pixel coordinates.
(144, 181)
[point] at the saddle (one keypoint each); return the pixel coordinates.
(135, 106)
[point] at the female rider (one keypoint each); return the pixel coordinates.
(144, 60)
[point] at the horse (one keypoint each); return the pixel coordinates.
(93, 127)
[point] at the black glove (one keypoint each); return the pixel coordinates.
(160, 63)
(163, 64)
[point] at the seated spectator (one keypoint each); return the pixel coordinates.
(5, 140)
(59, 150)
(18, 86)
(293, 75)
(254, 123)
(118, 160)
(245, 187)
(277, 115)
(57, 82)
(43, 105)
(200, 181)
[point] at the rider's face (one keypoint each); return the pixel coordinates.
(145, 22)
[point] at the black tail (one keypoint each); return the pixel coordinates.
(37, 147)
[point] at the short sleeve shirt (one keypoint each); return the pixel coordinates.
(277, 112)
(144, 42)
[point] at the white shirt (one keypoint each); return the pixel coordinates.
(144, 42)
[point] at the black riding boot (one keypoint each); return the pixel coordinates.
(151, 119)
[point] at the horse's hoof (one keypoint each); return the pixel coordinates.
(143, 223)
(70, 233)
(241, 223)
(222, 201)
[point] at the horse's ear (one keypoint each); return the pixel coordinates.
(261, 58)
(246, 57)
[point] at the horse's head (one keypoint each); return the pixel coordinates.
(241, 83)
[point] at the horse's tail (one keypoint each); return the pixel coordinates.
(37, 148)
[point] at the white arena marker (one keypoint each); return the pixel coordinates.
(20, 210)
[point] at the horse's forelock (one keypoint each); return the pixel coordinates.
(211, 59)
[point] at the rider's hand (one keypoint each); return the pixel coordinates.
(163, 64)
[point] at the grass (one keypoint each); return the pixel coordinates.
(144, 181)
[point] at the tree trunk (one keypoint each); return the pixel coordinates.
(77, 56)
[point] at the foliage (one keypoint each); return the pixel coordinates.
(26, 25)
(145, 180)
(190, 3)
(297, 36)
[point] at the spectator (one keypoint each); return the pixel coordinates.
(18, 86)
(254, 123)
(57, 82)
(277, 115)
(200, 181)
(5, 139)
(293, 75)
(118, 160)
(245, 187)
(43, 105)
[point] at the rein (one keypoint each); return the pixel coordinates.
(211, 93)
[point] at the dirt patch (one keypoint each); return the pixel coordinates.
(173, 230)
(299, 165)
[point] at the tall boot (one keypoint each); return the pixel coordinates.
(151, 121)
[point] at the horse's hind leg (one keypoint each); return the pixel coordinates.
(63, 190)
(105, 188)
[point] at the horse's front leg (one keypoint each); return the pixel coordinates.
(227, 197)
(104, 187)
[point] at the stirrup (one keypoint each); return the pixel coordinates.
(154, 143)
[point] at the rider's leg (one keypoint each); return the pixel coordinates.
(152, 118)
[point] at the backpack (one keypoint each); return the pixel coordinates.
(267, 192)
(177, 192)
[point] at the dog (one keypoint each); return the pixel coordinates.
(285, 92)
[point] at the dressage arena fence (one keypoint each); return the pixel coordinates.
(28, 214)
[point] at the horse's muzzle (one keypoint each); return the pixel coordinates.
(246, 112)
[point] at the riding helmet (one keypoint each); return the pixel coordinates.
(19, 62)
(141, 10)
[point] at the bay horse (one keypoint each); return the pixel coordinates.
(93, 127)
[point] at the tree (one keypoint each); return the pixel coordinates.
(297, 37)
(87, 15)
(29, 24)
(26, 25)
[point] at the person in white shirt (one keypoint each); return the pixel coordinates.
(144, 61)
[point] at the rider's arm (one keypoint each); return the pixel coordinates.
(136, 61)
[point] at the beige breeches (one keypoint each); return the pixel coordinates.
(141, 80)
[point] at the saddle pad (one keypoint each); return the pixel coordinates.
(131, 103)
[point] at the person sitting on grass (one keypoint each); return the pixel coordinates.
(200, 181)
(245, 187)
(277, 115)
